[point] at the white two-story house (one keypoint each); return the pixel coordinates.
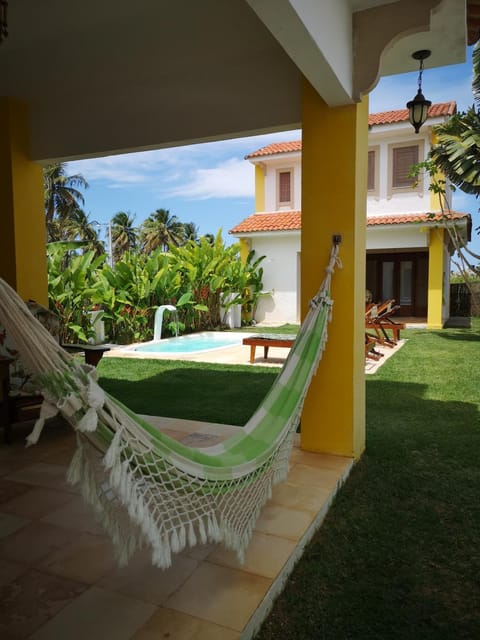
(408, 247)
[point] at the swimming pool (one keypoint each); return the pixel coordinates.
(192, 343)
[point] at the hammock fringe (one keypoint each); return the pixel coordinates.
(148, 490)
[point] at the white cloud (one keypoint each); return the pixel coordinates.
(200, 171)
(230, 179)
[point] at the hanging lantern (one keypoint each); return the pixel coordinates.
(418, 107)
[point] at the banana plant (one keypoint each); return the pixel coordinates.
(71, 286)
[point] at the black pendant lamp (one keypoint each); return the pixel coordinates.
(418, 107)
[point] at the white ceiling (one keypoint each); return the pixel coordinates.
(116, 75)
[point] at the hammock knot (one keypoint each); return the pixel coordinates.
(70, 405)
(89, 421)
(47, 410)
(95, 395)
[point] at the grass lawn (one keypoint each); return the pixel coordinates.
(398, 555)
(227, 394)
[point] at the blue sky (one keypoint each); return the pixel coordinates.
(212, 184)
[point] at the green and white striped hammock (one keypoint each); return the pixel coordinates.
(146, 488)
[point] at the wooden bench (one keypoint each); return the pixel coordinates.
(266, 341)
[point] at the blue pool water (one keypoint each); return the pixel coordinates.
(192, 343)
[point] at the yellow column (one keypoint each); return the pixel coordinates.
(334, 189)
(436, 266)
(259, 188)
(23, 261)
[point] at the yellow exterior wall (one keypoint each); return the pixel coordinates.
(436, 259)
(23, 261)
(334, 192)
(259, 188)
(244, 249)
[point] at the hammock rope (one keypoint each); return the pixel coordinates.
(148, 489)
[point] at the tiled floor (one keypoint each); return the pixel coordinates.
(58, 578)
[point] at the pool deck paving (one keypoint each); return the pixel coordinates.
(241, 355)
(58, 577)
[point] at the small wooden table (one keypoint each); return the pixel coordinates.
(266, 341)
(93, 352)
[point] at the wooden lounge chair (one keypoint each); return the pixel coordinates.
(370, 350)
(378, 319)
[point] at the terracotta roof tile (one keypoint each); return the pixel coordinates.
(384, 117)
(401, 115)
(409, 218)
(281, 221)
(292, 220)
(276, 147)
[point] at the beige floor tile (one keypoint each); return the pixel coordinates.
(33, 542)
(75, 515)
(97, 615)
(200, 552)
(32, 599)
(49, 476)
(61, 457)
(304, 474)
(220, 595)
(281, 521)
(10, 464)
(297, 496)
(86, 559)
(321, 460)
(10, 490)
(9, 571)
(37, 502)
(166, 623)
(11, 523)
(201, 440)
(265, 556)
(143, 581)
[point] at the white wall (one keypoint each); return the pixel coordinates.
(386, 201)
(397, 237)
(280, 277)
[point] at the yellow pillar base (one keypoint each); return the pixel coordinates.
(23, 262)
(334, 181)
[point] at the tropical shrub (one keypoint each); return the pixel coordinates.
(71, 286)
(199, 278)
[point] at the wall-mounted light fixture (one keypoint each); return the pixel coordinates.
(418, 107)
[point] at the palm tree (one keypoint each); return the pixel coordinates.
(61, 192)
(190, 231)
(457, 151)
(78, 227)
(210, 238)
(160, 230)
(124, 235)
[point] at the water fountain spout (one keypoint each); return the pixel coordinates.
(157, 327)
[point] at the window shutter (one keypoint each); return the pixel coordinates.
(284, 186)
(403, 158)
(371, 171)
